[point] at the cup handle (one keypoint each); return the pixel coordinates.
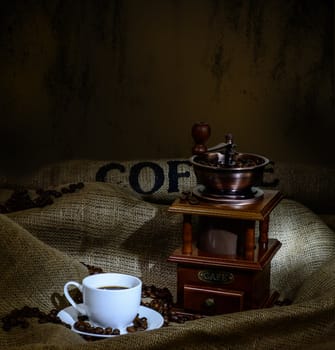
(79, 308)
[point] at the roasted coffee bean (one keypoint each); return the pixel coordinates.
(43, 319)
(82, 318)
(56, 194)
(131, 329)
(283, 302)
(72, 188)
(140, 323)
(81, 326)
(193, 200)
(99, 330)
(184, 195)
(109, 330)
(39, 191)
(187, 196)
(92, 269)
(24, 324)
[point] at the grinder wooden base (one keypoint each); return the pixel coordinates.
(209, 284)
(212, 284)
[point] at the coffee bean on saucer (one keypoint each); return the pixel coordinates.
(99, 330)
(82, 326)
(109, 331)
(131, 329)
(82, 318)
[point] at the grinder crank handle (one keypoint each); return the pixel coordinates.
(218, 147)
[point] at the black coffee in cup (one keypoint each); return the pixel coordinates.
(112, 287)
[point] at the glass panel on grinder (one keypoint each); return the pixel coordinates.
(219, 236)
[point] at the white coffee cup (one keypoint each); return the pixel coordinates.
(115, 307)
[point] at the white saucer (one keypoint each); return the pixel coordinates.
(69, 316)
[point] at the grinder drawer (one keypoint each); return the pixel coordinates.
(212, 301)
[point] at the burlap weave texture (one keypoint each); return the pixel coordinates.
(107, 226)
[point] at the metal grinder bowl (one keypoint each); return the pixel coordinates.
(232, 180)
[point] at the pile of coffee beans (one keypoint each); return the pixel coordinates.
(161, 300)
(19, 317)
(139, 324)
(83, 325)
(21, 199)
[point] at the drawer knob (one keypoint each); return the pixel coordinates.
(210, 302)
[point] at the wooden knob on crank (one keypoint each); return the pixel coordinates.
(201, 132)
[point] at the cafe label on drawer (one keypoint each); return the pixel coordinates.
(216, 276)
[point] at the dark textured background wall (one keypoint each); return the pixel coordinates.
(113, 79)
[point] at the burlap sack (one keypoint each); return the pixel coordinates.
(110, 226)
(106, 226)
(39, 272)
(307, 242)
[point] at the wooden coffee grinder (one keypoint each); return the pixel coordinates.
(223, 264)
